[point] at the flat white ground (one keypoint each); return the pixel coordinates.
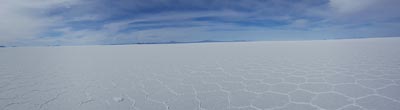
(284, 75)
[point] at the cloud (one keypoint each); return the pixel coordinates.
(351, 6)
(25, 19)
(84, 22)
(365, 10)
(300, 23)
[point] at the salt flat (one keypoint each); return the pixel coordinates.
(353, 74)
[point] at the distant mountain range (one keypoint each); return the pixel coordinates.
(177, 42)
(201, 41)
(169, 42)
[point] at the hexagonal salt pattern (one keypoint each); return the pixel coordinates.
(358, 74)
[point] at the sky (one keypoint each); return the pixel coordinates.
(95, 22)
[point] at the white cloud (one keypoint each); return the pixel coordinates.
(351, 6)
(363, 11)
(85, 18)
(300, 23)
(24, 19)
